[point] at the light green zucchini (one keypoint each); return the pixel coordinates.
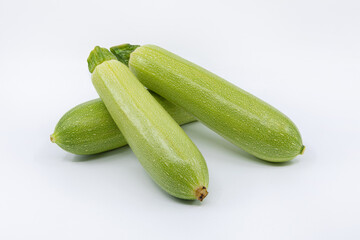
(235, 114)
(89, 129)
(162, 147)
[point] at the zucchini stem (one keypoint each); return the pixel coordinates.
(123, 51)
(98, 56)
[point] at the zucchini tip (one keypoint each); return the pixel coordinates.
(302, 150)
(201, 193)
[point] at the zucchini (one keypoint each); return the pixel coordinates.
(233, 113)
(89, 129)
(162, 147)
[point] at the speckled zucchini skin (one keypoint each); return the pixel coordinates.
(162, 147)
(235, 114)
(89, 129)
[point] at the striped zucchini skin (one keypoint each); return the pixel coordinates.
(162, 147)
(89, 129)
(235, 114)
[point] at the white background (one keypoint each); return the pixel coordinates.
(303, 57)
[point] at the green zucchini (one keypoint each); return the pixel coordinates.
(89, 129)
(162, 147)
(235, 114)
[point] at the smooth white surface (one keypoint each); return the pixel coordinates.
(303, 57)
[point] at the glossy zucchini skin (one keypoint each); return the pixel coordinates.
(162, 147)
(233, 113)
(89, 129)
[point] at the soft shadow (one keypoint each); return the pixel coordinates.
(104, 155)
(187, 202)
(212, 139)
